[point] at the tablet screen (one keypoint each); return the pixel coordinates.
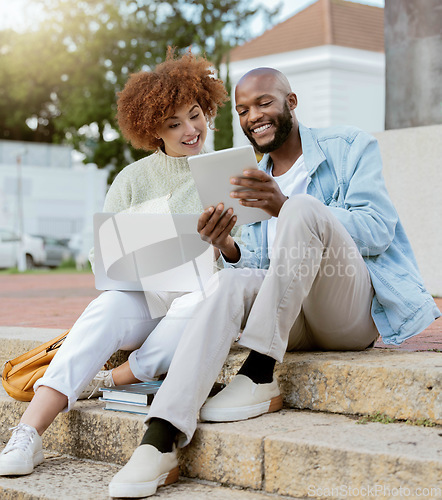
(212, 173)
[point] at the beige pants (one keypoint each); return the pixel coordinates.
(316, 294)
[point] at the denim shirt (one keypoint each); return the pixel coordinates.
(345, 167)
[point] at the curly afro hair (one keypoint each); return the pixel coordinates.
(150, 97)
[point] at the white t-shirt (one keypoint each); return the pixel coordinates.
(294, 181)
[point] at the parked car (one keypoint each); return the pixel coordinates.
(80, 244)
(56, 251)
(9, 246)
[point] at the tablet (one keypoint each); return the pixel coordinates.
(212, 173)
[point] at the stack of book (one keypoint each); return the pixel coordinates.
(132, 398)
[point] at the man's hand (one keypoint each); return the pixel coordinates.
(261, 190)
(214, 227)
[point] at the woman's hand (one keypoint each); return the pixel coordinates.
(214, 226)
(259, 190)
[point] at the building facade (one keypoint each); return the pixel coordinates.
(43, 192)
(332, 53)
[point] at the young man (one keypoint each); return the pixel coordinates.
(331, 270)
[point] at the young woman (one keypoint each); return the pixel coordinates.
(166, 110)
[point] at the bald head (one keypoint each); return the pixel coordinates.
(266, 106)
(270, 76)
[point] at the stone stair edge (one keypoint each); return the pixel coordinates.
(86, 411)
(43, 334)
(20, 339)
(15, 341)
(401, 384)
(248, 454)
(88, 480)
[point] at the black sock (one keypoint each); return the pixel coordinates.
(160, 434)
(258, 367)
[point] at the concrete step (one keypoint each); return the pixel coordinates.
(401, 384)
(15, 340)
(68, 478)
(292, 453)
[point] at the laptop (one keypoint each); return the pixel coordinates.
(144, 252)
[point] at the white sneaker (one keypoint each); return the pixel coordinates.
(22, 453)
(242, 399)
(146, 470)
(102, 379)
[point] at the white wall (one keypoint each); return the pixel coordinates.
(57, 201)
(335, 85)
(35, 153)
(413, 174)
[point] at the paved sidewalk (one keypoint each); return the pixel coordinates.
(47, 300)
(54, 300)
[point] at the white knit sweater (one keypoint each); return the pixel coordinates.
(155, 184)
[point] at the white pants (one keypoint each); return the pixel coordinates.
(116, 320)
(316, 294)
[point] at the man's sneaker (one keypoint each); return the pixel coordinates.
(146, 470)
(22, 453)
(242, 399)
(102, 379)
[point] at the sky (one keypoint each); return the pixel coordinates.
(12, 11)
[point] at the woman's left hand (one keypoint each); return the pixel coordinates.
(214, 226)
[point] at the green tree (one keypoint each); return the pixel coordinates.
(58, 79)
(223, 120)
(27, 89)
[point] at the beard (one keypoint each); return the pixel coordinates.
(283, 126)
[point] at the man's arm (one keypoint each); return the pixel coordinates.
(363, 205)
